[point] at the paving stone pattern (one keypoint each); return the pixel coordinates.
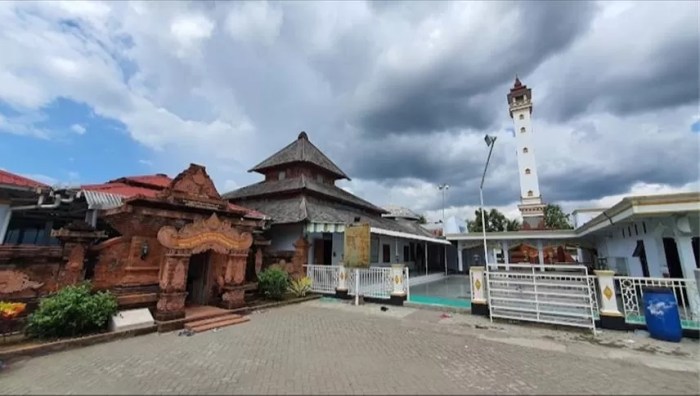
(303, 349)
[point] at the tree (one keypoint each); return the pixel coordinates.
(495, 222)
(422, 220)
(555, 218)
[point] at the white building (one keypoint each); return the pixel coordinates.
(644, 236)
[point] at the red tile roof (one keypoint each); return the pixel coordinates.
(149, 186)
(158, 180)
(17, 180)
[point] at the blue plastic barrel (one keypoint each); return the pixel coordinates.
(661, 314)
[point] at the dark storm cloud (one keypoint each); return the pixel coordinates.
(452, 94)
(644, 69)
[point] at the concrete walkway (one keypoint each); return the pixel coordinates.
(323, 347)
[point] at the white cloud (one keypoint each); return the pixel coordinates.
(79, 129)
(189, 31)
(227, 84)
(254, 21)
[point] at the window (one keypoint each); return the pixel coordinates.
(527, 171)
(522, 130)
(281, 175)
(525, 150)
(522, 117)
(644, 227)
(386, 253)
(406, 255)
(529, 193)
(636, 231)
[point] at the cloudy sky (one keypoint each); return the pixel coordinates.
(398, 94)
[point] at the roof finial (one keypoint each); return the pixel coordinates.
(303, 135)
(517, 81)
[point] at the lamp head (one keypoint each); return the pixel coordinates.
(490, 140)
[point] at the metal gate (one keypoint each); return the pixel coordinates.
(553, 294)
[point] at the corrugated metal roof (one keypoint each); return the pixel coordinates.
(101, 200)
(405, 235)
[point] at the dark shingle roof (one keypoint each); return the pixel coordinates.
(300, 208)
(270, 187)
(300, 150)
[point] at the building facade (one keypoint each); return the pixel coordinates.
(309, 213)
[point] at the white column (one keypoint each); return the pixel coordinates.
(445, 253)
(460, 259)
(342, 278)
(608, 296)
(540, 254)
(476, 275)
(396, 245)
(685, 251)
(397, 280)
(506, 259)
(656, 259)
(426, 258)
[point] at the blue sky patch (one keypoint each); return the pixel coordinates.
(104, 151)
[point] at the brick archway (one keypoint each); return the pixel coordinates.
(203, 235)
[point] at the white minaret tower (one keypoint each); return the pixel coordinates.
(520, 107)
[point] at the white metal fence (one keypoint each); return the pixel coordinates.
(373, 282)
(324, 278)
(685, 290)
(554, 294)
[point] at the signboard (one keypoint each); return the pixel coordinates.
(357, 245)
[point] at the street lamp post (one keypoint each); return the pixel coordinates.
(490, 141)
(443, 188)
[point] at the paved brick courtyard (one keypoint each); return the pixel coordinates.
(311, 349)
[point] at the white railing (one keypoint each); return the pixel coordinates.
(324, 278)
(554, 294)
(685, 290)
(372, 282)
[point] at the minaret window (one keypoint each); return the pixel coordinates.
(522, 130)
(527, 171)
(522, 116)
(529, 193)
(525, 150)
(281, 175)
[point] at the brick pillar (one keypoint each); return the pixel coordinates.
(173, 283)
(75, 237)
(301, 256)
(234, 293)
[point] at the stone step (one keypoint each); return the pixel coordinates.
(215, 323)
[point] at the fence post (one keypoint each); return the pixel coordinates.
(398, 292)
(610, 316)
(357, 286)
(480, 305)
(341, 289)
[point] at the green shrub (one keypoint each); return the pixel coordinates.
(73, 310)
(273, 282)
(299, 287)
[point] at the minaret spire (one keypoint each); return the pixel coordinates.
(520, 109)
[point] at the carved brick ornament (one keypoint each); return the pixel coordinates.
(212, 233)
